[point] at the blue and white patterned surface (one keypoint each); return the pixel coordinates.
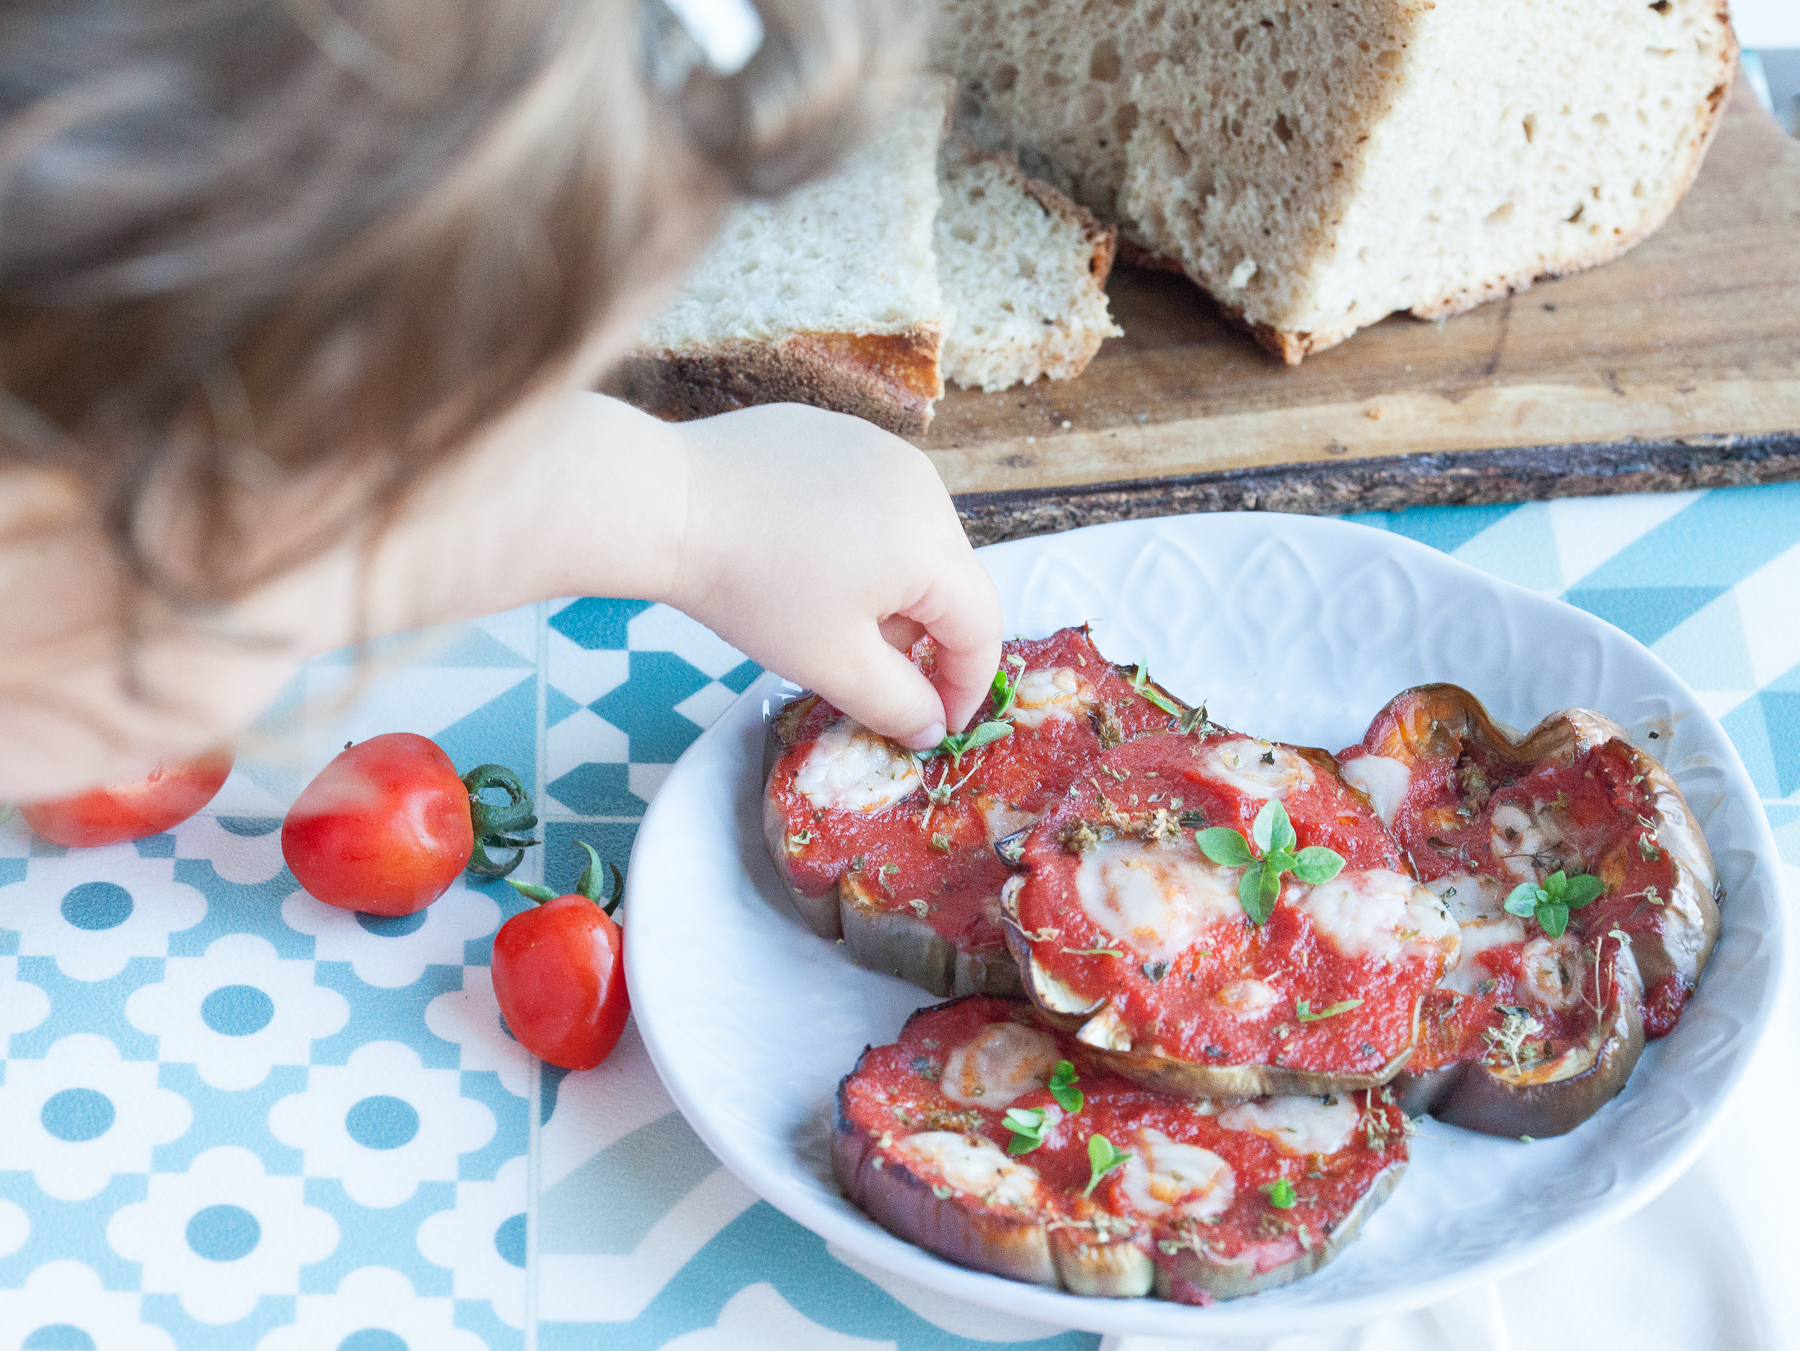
(233, 1117)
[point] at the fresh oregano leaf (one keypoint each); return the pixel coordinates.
(1062, 1086)
(1582, 890)
(1102, 1159)
(1523, 900)
(1257, 904)
(1280, 829)
(1273, 833)
(1224, 846)
(1307, 1014)
(1315, 864)
(1027, 1127)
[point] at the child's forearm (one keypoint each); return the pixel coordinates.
(803, 537)
(579, 495)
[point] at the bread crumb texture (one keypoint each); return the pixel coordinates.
(1025, 269)
(1317, 165)
(849, 254)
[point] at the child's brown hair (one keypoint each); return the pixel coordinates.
(319, 244)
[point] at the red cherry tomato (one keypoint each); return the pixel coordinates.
(160, 800)
(383, 829)
(559, 976)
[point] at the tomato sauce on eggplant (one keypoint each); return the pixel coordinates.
(1124, 912)
(921, 841)
(1218, 1198)
(1477, 822)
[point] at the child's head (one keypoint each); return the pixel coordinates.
(317, 244)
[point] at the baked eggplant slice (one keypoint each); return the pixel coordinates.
(893, 852)
(1585, 894)
(1529, 1071)
(1574, 796)
(1004, 1145)
(1150, 950)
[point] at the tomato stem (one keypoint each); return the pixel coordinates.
(593, 877)
(498, 825)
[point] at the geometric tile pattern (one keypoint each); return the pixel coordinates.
(234, 1117)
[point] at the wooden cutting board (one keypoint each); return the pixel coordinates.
(1677, 366)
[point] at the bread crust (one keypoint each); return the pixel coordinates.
(890, 379)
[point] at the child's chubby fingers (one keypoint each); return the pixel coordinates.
(961, 612)
(876, 684)
(823, 546)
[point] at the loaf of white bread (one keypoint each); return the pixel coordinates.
(1318, 164)
(919, 260)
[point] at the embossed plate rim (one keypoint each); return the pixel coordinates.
(697, 868)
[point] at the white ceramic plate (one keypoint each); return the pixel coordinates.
(1294, 628)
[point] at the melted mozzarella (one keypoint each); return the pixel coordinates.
(1478, 936)
(1248, 997)
(1382, 780)
(1552, 971)
(1297, 1125)
(1155, 901)
(1042, 695)
(1517, 839)
(1379, 913)
(1240, 763)
(851, 769)
(1469, 897)
(973, 1165)
(1163, 1177)
(1003, 1061)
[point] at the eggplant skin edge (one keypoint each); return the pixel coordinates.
(1182, 1078)
(1478, 1097)
(904, 1204)
(877, 939)
(1232, 1279)
(1030, 1251)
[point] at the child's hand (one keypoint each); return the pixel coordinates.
(822, 546)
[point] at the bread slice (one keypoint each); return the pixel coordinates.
(1319, 164)
(828, 296)
(1025, 269)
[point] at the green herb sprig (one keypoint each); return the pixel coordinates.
(1062, 1086)
(1280, 1193)
(1551, 902)
(1005, 688)
(1273, 834)
(1307, 1014)
(1027, 1123)
(1102, 1159)
(1027, 1127)
(958, 744)
(1140, 681)
(1005, 691)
